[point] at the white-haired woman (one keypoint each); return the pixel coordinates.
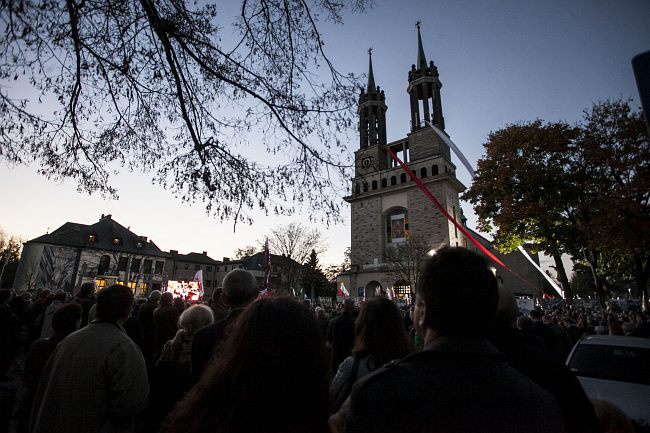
(171, 376)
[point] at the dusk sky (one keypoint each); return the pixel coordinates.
(500, 62)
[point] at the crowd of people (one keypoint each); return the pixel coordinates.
(462, 358)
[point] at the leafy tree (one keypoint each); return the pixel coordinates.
(515, 191)
(313, 278)
(168, 87)
(614, 148)
(405, 260)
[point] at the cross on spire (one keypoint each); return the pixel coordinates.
(417, 24)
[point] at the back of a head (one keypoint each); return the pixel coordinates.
(239, 287)
(87, 289)
(67, 318)
(155, 296)
(60, 296)
(348, 304)
(611, 418)
(380, 332)
(216, 295)
(195, 318)
(114, 303)
(459, 291)
(166, 298)
(274, 361)
(507, 310)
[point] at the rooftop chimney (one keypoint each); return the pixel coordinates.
(205, 253)
(226, 259)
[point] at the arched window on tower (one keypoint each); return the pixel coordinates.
(365, 187)
(397, 226)
(357, 189)
(374, 184)
(402, 178)
(393, 180)
(384, 183)
(423, 172)
(434, 170)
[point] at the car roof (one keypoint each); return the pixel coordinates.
(616, 340)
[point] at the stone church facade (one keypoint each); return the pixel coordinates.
(388, 208)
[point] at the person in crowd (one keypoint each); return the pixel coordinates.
(239, 291)
(145, 318)
(219, 309)
(85, 298)
(271, 376)
(323, 319)
(96, 378)
(57, 302)
(179, 304)
(171, 376)
(165, 319)
(65, 321)
(526, 355)
(459, 382)
(340, 333)
(9, 330)
(614, 326)
(380, 337)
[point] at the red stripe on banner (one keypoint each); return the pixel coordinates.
(443, 210)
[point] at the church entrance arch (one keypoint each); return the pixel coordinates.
(373, 288)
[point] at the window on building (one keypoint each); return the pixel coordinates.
(402, 178)
(139, 244)
(393, 180)
(104, 265)
(397, 226)
(197, 267)
(148, 264)
(117, 241)
(208, 283)
(384, 183)
(365, 187)
(423, 172)
(123, 263)
(187, 266)
(374, 184)
(100, 282)
(208, 268)
(403, 153)
(159, 268)
(357, 189)
(135, 265)
(92, 238)
(434, 170)
(453, 214)
(144, 287)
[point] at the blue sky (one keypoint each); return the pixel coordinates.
(499, 61)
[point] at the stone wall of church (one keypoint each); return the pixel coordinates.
(367, 231)
(425, 221)
(425, 143)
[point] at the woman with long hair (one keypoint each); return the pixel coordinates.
(270, 376)
(380, 337)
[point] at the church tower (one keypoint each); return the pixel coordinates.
(388, 209)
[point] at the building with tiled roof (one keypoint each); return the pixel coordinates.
(105, 252)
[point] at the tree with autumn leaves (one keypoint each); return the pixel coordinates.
(582, 190)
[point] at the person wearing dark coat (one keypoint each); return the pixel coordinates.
(239, 291)
(340, 334)
(85, 298)
(165, 319)
(534, 362)
(145, 318)
(460, 382)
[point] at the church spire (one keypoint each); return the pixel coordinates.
(372, 112)
(371, 76)
(422, 59)
(424, 90)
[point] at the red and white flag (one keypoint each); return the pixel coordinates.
(199, 278)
